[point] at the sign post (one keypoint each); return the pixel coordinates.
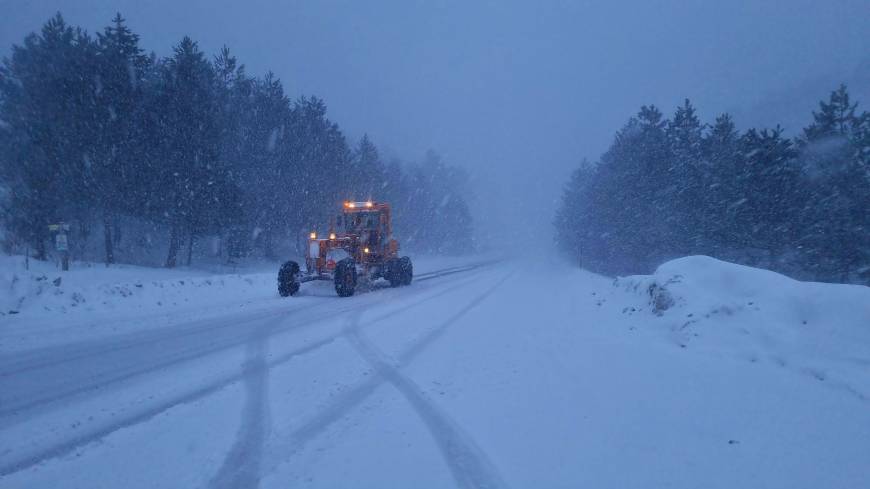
(61, 243)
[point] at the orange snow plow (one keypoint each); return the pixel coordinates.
(358, 248)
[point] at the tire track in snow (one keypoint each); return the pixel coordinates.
(217, 338)
(469, 465)
(14, 410)
(241, 466)
(294, 441)
(19, 362)
(54, 355)
(32, 457)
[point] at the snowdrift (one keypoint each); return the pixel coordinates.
(821, 330)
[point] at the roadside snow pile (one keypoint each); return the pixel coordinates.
(822, 330)
(42, 290)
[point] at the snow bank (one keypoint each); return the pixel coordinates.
(822, 330)
(41, 290)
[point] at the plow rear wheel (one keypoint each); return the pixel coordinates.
(406, 269)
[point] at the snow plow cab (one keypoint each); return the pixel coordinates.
(358, 248)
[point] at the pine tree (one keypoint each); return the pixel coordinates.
(687, 172)
(643, 218)
(721, 151)
(189, 137)
(770, 194)
(234, 98)
(835, 243)
(272, 168)
(575, 231)
(317, 159)
(122, 66)
(47, 91)
(835, 117)
(861, 141)
(367, 171)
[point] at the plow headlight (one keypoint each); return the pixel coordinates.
(313, 235)
(331, 235)
(366, 249)
(369, 204)
(351, 205)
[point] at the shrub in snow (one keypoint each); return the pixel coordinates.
(659, 297)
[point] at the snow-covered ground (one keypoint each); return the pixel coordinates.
(705, 374)
(40, 305)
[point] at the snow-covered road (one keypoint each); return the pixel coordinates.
(488, 375)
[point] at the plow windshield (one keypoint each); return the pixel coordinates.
(367, 225)
(357, 222)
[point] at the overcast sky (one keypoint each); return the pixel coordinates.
(516, 92)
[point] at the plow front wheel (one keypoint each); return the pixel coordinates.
(394, 273)
(288, 279)
(345, 277)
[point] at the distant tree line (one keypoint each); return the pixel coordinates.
(673, 187)
(95, 132)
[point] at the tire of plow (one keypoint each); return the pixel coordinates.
(394, 273)
(407, 270)
(345, 277)
(288, 279)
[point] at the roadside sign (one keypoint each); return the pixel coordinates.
(61, 242)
